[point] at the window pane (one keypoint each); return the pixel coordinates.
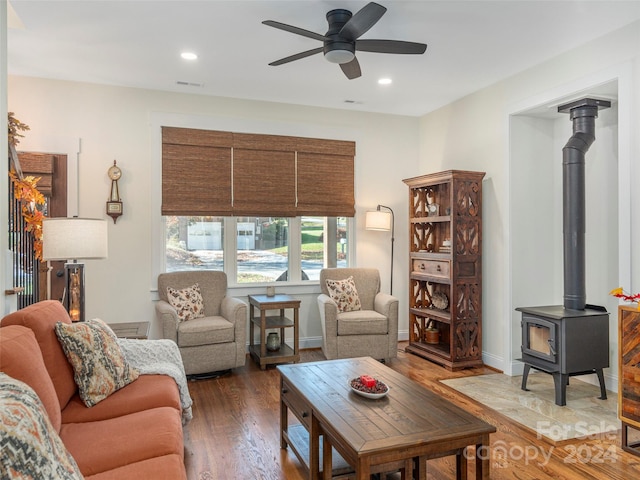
(263, 249)
(194, 243)
(314, 232)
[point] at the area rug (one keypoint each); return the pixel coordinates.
(584, 416)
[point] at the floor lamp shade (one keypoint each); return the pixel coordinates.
(382, 221)
(73, 239)
(378, 220)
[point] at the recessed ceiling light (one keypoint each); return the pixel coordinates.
(189, 55)
(384, 81)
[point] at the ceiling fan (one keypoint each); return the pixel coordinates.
(342, 39)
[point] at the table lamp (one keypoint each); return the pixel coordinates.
(72, 239)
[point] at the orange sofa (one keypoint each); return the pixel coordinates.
(136, 432)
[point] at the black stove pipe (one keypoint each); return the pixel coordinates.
(583, 114)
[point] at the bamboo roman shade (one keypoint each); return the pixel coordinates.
(222, 173)
(196, 172)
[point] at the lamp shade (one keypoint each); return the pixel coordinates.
(378, 220)
(74, 238)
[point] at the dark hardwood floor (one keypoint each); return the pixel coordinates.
(234, 432)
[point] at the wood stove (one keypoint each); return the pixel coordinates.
(564, 343)
(572, 339)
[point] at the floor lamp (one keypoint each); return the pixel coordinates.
(383, 222)
(73, 239)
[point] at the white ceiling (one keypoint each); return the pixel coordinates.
(471, 44)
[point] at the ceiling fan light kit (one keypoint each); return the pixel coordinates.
(339, 54)
(342, 39)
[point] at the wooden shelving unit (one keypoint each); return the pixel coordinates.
(445, 279)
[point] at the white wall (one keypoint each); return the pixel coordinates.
(123, 124)
(474, 133)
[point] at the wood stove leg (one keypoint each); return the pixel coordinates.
(560, 383)
(525, 376)
(603, 388)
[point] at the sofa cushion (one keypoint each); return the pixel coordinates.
(100, 368)
(148, 391)
(31, 447)
(363, 322)
(116, 442)
(344, 293)
(20, 358)
(187, 302)
(205, 331)
(166, 467)
(41, 318)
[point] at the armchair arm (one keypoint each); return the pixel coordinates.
(329, 321)
(235, 310)
(384, 304)
(168, 317)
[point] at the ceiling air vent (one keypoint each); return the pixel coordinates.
(189, 84)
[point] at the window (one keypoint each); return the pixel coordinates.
(262, 250)
(314, 249)
(194, 243)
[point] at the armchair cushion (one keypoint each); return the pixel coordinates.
(188, 302)
(345, 294)
(205, 331)
(100, 368)
(363, 322)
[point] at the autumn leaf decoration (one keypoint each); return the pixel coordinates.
(26, 191)
(620, 293)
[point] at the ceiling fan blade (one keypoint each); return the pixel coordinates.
(296, 30)
(390, 46)
(297, 56)
(351, 69)
(362, 21)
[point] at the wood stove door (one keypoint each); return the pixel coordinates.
(539, 338)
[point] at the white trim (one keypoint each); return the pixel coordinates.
(623, 75)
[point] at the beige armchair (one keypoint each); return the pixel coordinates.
(215, 342)
(370, 331)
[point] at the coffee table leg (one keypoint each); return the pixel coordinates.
(461, 464)
(314, 450)
(420, 468)
(284, 419)
(363, 471)
(327, 458)
(482, 460)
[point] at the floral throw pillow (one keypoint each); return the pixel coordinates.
(344, 293)
(99, 366)
(31, 447)
(187, 302)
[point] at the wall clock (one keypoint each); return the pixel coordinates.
(114, 204)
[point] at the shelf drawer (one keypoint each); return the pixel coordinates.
(297, 405)
(432, 268)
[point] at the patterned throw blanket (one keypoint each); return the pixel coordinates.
(159, 357)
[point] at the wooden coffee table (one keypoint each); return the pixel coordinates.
(400, 431)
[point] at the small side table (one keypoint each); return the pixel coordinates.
(264, 322)
(138, 330)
